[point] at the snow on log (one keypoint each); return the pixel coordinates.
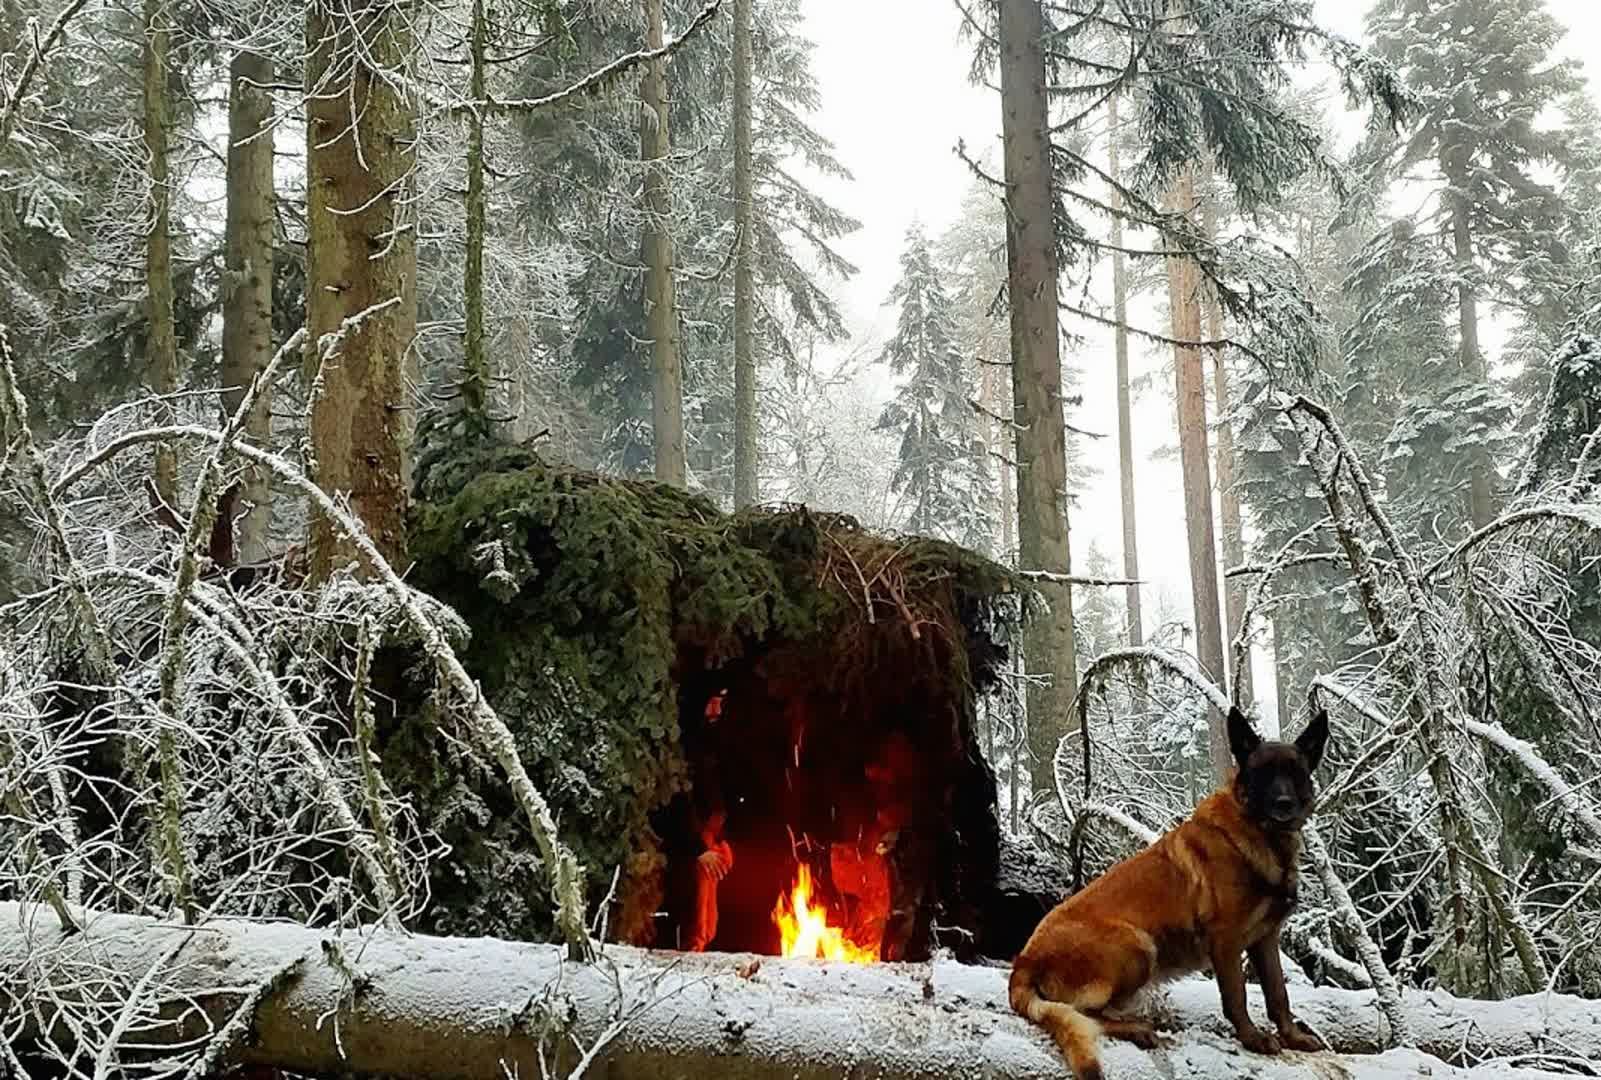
(471, 1008)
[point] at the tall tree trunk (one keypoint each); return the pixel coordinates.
(161, 345)
(1042, 528)
(996, 444)
(745, 444)
(997, 434)
(1125, 425)
(661, 303)
(476, 377)
(360, 253)
(1184, 287)
(247, 290)
(1008, 451)
(1229, 496)
(1481, 505)
(1282, 680)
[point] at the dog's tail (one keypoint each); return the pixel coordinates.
(1076, 1034)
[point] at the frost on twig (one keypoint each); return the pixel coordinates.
(1415, 640)
(487, 729)
(14, 412)
(200, 513)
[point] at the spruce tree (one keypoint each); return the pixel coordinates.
(1202, 82)
(1485, 76)
(583, 164)
(1562, 279)
(971, 256)
(942, 469)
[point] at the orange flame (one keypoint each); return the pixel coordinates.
(803, 927)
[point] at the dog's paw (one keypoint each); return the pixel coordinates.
(1258, 1041)
(1300, 1037)
(1145, 1038)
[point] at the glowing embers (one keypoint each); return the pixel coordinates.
(804, 929)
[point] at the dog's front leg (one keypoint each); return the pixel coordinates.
(1230, 973)
(1270, 970)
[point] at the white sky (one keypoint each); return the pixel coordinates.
(896, 99)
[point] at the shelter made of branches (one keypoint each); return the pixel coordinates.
(606, 615)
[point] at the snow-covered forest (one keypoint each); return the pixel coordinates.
(511, 564)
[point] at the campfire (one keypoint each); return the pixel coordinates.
(804, 929)
(804, 834)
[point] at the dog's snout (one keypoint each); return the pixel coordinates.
(1283, 804)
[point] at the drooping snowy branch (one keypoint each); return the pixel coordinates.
(14, 409)
(11, 98)
(597, 81)
(1388, 994)
(487, 727)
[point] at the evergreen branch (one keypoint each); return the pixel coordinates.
(1309, 558)
(597, 81)
(12, 99)
(970, 21)
(1149, 213)
(714, 275)
(1077, 579)
(1161, 339)
(975, 168)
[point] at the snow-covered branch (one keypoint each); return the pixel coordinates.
(596, 81)
(487, 728)
(1076, 579)
(11, 98)
(1586, 515)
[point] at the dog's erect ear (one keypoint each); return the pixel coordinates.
(1313, 740)
(1243, 739)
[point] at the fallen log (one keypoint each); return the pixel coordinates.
(474, 1009)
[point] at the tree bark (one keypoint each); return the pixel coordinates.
(1481, 502)
(476, 376)
(1228, 494)
(434, 1008)
(996, 434)
(1184, 288)
(360, 253)
(1282, 672)
(1125, 425)
(247, 290)
(1042, 525)
(1008, 451)
(661, 302)
(745, 442)
(161, 342)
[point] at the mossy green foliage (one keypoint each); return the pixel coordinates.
(587, 597)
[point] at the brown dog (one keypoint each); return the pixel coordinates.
(1220, 884)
